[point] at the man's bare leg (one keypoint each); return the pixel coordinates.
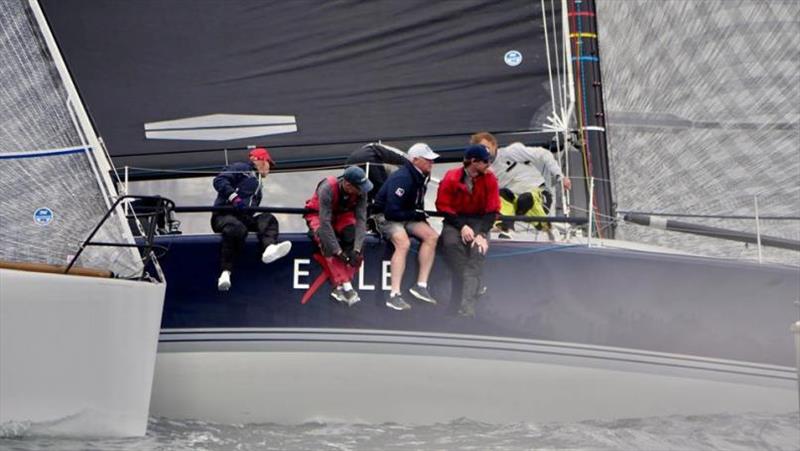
(427, 250)
(398, 263)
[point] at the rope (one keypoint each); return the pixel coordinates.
(524, 252)
(535, 251)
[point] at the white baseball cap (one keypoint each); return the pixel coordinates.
(422, 150)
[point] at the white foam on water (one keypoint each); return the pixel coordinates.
(708, 432)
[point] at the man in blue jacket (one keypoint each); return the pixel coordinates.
(400, 212)
(240, 186)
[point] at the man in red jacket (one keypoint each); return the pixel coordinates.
(470, 200)
(337, 223)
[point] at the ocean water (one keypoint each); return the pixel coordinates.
(751, 431)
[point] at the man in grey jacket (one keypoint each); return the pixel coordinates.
(336, 218)
(525, 176)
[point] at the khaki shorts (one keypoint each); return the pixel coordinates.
(388, 228)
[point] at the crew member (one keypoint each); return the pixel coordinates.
(524, 175)
(240, 185)
(337, 224)
(469, 198)
(400, 213)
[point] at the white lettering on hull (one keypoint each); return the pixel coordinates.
(297, 272)
(301, 272)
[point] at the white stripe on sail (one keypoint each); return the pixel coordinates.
(221, 134)
(220, 127)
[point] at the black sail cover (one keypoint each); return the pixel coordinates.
(311, 80)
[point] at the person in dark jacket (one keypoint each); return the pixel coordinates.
(240, 186)
(400, 213)
(337, 218)
(377, 160)
(470, 200)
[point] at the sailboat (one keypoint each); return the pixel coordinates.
(589, 327)
(79, 313)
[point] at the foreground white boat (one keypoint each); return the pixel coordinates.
(77, 352)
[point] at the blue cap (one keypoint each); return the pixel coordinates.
(478, 152)
(356, 176)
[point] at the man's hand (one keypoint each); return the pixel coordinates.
(342, 256)
(355, 258)
(467, 234)
(238, 203)
(567, 183)
(481, 243)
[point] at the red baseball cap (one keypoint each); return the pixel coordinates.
(261, 153)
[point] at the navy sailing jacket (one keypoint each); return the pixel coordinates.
(402, 194)
(240, 179)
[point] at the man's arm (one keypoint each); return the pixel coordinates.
(330, 245)
(444, 197)
(396, 193)
(227, 180)
(492, 207)
(361, 223)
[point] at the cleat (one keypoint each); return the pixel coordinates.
(397, 302)
(224, 281)
(422, 294)
(276, 251)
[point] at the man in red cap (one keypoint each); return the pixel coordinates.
(240, 186)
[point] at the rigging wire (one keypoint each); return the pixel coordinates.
(712, 216)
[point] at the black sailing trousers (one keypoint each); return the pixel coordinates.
(466, 263)
(234, 228)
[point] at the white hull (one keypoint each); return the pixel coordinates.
(292, 376)
(77, 353)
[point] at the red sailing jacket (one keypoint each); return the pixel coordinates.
(454, 199)
(336, 207)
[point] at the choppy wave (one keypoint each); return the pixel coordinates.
(707, 432)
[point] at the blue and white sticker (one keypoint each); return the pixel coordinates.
(43, 216)
(513, 58)
(399, 192)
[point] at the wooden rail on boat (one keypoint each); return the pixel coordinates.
(56, 269)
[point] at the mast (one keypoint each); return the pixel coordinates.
(590, 113)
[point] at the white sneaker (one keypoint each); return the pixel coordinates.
(276, 251)
(224, 281)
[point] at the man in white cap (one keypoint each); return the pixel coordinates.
(400, 213)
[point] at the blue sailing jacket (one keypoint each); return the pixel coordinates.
(239, 178)
(402, 194)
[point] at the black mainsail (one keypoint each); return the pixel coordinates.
(171, 85)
